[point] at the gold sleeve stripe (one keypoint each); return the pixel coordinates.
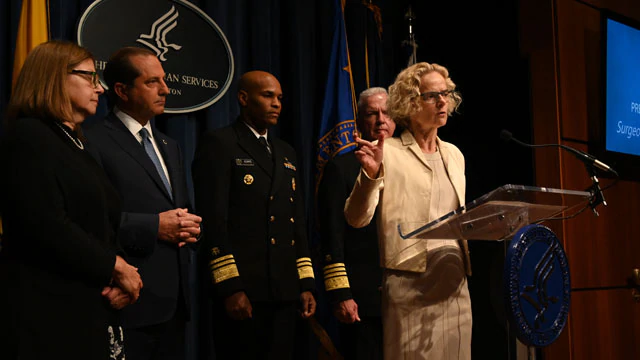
(334, 271)
(213, 265)
(304, 259)
(224, 273)
(222, 258)
(331, 266)
(305, 271)
(334, 274)
(341, 282)
(337, 275)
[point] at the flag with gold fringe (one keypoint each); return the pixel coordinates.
(33, 29)
(338, 116)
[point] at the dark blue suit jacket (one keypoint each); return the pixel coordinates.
(162, 265)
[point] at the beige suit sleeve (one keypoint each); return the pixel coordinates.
(361, 204)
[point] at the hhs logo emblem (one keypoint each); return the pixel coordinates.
(159, 30)
(194, 52)
(537, 285)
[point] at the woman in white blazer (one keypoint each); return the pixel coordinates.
(417, 178)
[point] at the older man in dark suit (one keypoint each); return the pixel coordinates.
(247, 191)
(352, 273)
(145, 166)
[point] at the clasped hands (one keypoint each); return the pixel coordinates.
(125, 285)
(178, 226)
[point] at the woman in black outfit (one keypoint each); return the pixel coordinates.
(61, 274)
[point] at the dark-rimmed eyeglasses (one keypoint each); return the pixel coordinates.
(431, 97)
(95, 79)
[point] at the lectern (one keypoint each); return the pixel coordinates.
(499, 214)
(536, 274)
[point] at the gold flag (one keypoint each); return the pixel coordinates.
(33, 30)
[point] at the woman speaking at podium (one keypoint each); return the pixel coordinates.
(417, 178)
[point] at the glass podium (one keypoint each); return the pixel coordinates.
(504, 214)
(499, 214)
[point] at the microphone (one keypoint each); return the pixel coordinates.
(587, 159)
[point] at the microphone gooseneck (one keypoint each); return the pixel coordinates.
(589, 161)
(506, 135)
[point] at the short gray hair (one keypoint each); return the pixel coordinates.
(367, 94)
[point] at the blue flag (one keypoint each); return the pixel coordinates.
(338, 122)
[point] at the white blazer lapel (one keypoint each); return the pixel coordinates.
(410, 142)
(455, 171)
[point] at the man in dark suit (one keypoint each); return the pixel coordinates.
(248, 193)
(145, 166)
(352, 273)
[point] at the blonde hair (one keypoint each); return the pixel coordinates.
(403, 94)
(40, 88)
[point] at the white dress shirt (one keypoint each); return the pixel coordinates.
(134, 127)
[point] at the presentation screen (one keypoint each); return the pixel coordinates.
(622, 71)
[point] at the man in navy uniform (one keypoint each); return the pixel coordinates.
(248, 193)
(352, 273)
(145, 166)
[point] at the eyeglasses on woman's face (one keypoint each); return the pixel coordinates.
(95, 79)
(431, 97)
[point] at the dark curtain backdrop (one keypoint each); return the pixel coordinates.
(289, 38)
(292, 38)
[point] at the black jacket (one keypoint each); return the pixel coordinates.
(60, 216)
(253, 215)
(351, 257)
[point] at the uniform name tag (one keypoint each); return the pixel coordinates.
(245, 162)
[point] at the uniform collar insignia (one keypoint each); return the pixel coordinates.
(289, 165)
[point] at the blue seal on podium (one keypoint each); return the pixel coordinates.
(537, 285)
